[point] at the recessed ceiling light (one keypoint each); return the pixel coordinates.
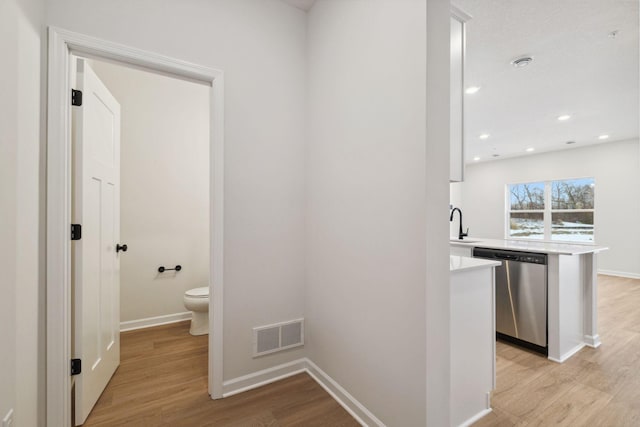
(564, 117)
(530, 149)
(603, 137)
(476, 158)
(522, 61)
(496, 155)
(484, 136)
(472, 89)
(570, 142)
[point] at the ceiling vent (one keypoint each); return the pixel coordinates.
(522, 62)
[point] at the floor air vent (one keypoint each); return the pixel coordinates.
(278, 337)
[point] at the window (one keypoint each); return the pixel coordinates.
(572, 210)
(552, 210)
(526, 212)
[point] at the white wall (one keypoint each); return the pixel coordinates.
(164, 209)
(376, 294)
(260, 45)
(438, 295)
(616, 169)
(367, 207)
(10, 19)
(20, 118)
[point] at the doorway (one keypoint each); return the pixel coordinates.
(156, 205)
(62, 46)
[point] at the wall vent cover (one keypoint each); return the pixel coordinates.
(277, 337)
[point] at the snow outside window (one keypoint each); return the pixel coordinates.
(552, 210)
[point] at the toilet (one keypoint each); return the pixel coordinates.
(196, 300)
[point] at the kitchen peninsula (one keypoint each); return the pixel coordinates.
(473, 344)
(571, 289)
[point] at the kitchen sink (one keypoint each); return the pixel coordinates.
(463, 241)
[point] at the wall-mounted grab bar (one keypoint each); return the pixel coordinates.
(162, 269)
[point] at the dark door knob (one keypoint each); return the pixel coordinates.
(120, 247)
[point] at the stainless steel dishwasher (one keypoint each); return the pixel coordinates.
(521, 297)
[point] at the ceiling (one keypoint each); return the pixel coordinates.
(301, 4)
(578, 69)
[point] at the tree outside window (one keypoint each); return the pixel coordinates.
(526, 210)
(552, 210)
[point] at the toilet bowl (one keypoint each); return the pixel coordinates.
(197, 302)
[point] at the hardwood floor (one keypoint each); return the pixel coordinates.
(596, 387)
(162, 381)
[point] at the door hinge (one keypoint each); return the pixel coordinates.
(76, 231)
(76, 97)
(76, 366)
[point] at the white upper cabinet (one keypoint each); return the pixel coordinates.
(458, 19)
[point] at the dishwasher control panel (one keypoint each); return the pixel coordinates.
(499, 254)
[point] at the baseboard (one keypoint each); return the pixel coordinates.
(592, 341)
(619, 274)
(568, 354)
(150, 322)
(475, 418)
(343, 397)
(264, 377)
(267, 376)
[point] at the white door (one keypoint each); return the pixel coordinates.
(96, 265)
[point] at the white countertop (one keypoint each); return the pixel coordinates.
(460, 263)
(531, 246)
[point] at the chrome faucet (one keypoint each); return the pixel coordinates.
(461, 235)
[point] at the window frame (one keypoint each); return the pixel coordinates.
(547, 212)
(509, 211)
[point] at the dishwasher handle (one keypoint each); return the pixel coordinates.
(507, 257)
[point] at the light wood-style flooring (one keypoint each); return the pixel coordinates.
(596, 387)
(162, 381)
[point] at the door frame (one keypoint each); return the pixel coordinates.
(62, 44)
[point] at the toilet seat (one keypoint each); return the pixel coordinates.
(198, 292)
